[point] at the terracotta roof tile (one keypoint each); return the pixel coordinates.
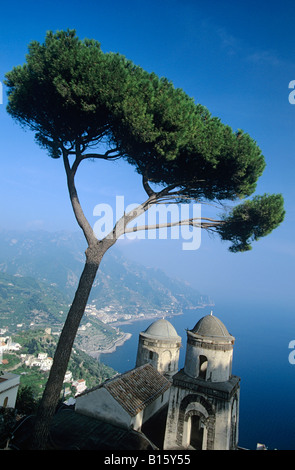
(136, 389)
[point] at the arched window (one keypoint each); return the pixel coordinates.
(196, 437)
(166, 361)
(203, 363)
(5, 402)
(194, 431)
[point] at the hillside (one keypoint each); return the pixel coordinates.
(36, 341)
(55, 261)
(26, 303)
(25, 300)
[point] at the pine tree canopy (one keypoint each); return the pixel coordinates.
(76, 98)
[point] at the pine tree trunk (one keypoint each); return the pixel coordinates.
(54, 384)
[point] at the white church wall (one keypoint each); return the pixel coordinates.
(223, 425)
(156, 405)
(100, 404)
(177, 436)
(172, 418)
(219, 366)
(137, 421)
(9, 384)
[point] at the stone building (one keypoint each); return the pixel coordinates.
(194, 408)
(204, 398)
(127, 400)
(159, 345)
(9, 384)
(155, 405)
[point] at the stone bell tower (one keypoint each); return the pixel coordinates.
(203, 408)
(159, 345)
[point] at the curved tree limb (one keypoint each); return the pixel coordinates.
(78, 212)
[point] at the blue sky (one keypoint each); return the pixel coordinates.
(236, 58)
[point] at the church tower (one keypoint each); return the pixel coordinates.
(159, 345)
(203, 408)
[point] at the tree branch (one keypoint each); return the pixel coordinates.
(80, 157)
(79, 214)
(193, 222)
(147, 187)
(103, 156)
(120, 226)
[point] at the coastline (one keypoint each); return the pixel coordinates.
(112, 348)
(155, 316)
(126, 336)
(146, 317)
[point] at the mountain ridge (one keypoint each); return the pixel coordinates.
(55, 261)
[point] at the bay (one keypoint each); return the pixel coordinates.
(261, 359)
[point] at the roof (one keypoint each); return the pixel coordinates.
(8, 380)
(211, 327)
(162, 329)
(137, 388)
(73, 431)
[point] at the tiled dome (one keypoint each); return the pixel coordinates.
(211, 327)
(161, 329)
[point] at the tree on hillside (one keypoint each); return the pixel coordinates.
(78, 100)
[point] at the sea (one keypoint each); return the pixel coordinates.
(263, 358)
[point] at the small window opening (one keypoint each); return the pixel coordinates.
(203, 363)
